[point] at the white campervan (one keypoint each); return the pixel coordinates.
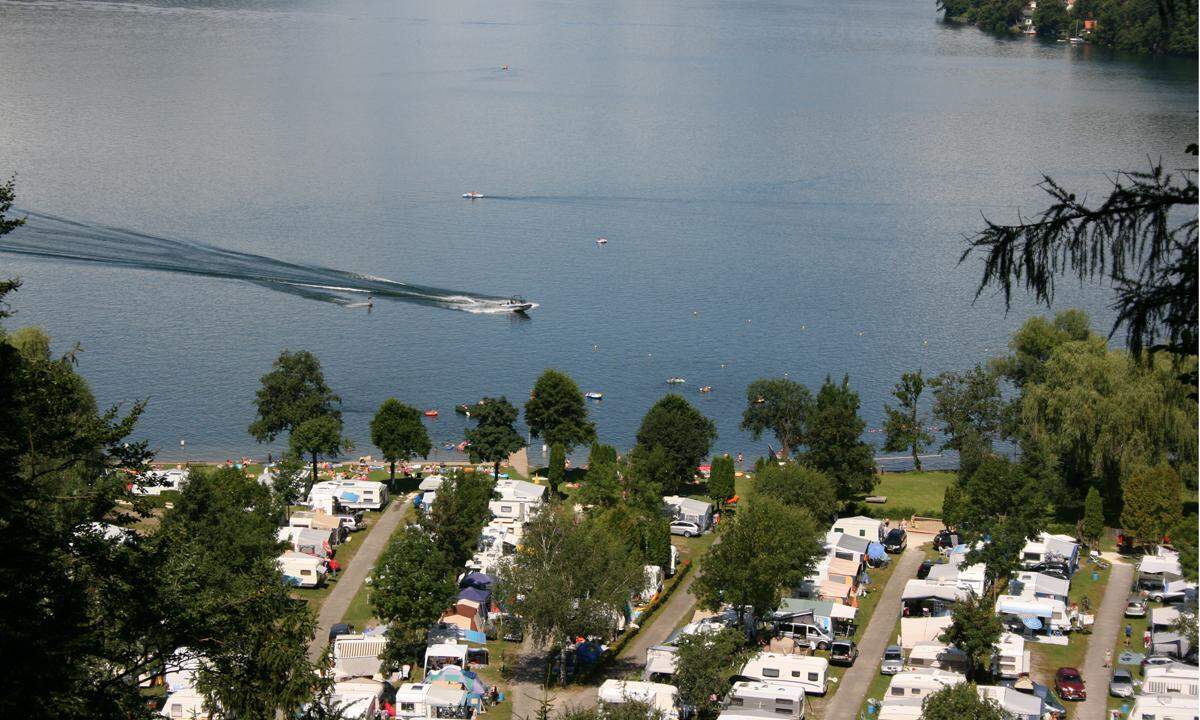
(748, 700)
(660, 696)
(810, 673)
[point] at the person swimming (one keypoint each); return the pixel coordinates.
(370, 303)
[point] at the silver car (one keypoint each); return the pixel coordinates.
(1122, 684)
(893, 660)
(1135, 608)
(685, 528)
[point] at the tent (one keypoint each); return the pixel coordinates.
(876, 552)
(479, 580)
(445, 655)
(455, 674)
(474, 594)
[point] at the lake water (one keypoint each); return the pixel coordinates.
(785, 187)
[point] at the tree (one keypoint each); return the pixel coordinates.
(1183, 539)
(953, 510)
(294, 391)
(835, 444)
(781, 406)
(459, 513)
(399, 433)
(7, 195)
(974, 630)
(601, 453)
(651, 473)
(703, 663)
(1051, 18)
(959, 702)
(556, 473)
(570, 579)
(682, 431)
(317, 436)
(905, 425)
(557, 412)
(767, 547)
(799, 486)
(1152, 503)
(1142, 239)
(494, 436)
(972, 413)
(1092, 526)
(721, 480)
(411, 586)
(1000, 502)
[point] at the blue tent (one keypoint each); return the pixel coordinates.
(483, 581)
(483, 597)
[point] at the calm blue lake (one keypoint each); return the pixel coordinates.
(785, 188)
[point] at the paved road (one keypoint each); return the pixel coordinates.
(852, 689)
(352, 578)
(1104, 635)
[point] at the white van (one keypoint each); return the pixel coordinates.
(810, 673)
(809, 635)
(747, 700)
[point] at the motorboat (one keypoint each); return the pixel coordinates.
(518, 304)
(472, 195)
(431, 413)
(1075, 40)
(676, 381)
(601, 241)
(593, 395)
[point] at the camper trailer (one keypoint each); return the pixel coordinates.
(419, 701)
(157, 482)
(810, 673)
(357, 655)
(1164, 707)
(747, 700)
(937, 656)
(664, 698)
(353, 494)
(187, 704)
(919, 684)
(358, 699)
(301, 570)
(309, 541)
(1012, 659)
(860, 526)
(1172, 679)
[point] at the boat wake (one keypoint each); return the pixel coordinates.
(49, 236)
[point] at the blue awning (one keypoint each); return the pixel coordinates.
(875, 551)
(1032, 623)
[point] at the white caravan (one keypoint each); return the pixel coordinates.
(810, 673)
(661, 697)
(749, 700)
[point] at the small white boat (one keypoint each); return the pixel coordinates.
(472, 195)
(676, 381)
(518, 304)
(593, 395)
(601, 241)
(1076, 41)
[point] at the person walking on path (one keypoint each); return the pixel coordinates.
(1128, 633)
(1108, 658)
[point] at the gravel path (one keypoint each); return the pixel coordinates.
(1104, 635)
(853, 688)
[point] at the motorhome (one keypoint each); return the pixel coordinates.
(301, 569)
(810, 673)
(358, 699)
(747, 700)
(353, 494)
(517, 500)
(662, 697)
(937, 655)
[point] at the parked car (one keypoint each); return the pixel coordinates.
(896, 541)
(1121, 684)
(352, 520)
(514, 631)
(1133, 608)
(926, 566)
(843, 652)
(344, 629)
(1068, 683)
(684, 528)
(893, 660)
(1170, 598)
(944, 539)
(1053, 568)
(1154, 660)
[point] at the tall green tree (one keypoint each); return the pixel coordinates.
(975, 628)
(399, 433)
(292, 392)
(835, 444)
(494, 436)
(458, 514)
(905, 424)
(556, 472)
(972, 413)
(961, 701)
(570, 579)
(1183, 539)
(1051, 18)
(682, 431)
(411, 586)
(798, 486)
(651, 473)
(7, 196)
(953, 509)
(1007, 506)
(1091, 528)
(704, 662)
(721, 480)
(1152, 503)
(557, 412)
(318, 436)
(781, 406)
(768, 546)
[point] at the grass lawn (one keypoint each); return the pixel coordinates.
(920, 490)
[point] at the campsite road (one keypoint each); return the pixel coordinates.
(1104, 636)
(353, 577)
(856, 681)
